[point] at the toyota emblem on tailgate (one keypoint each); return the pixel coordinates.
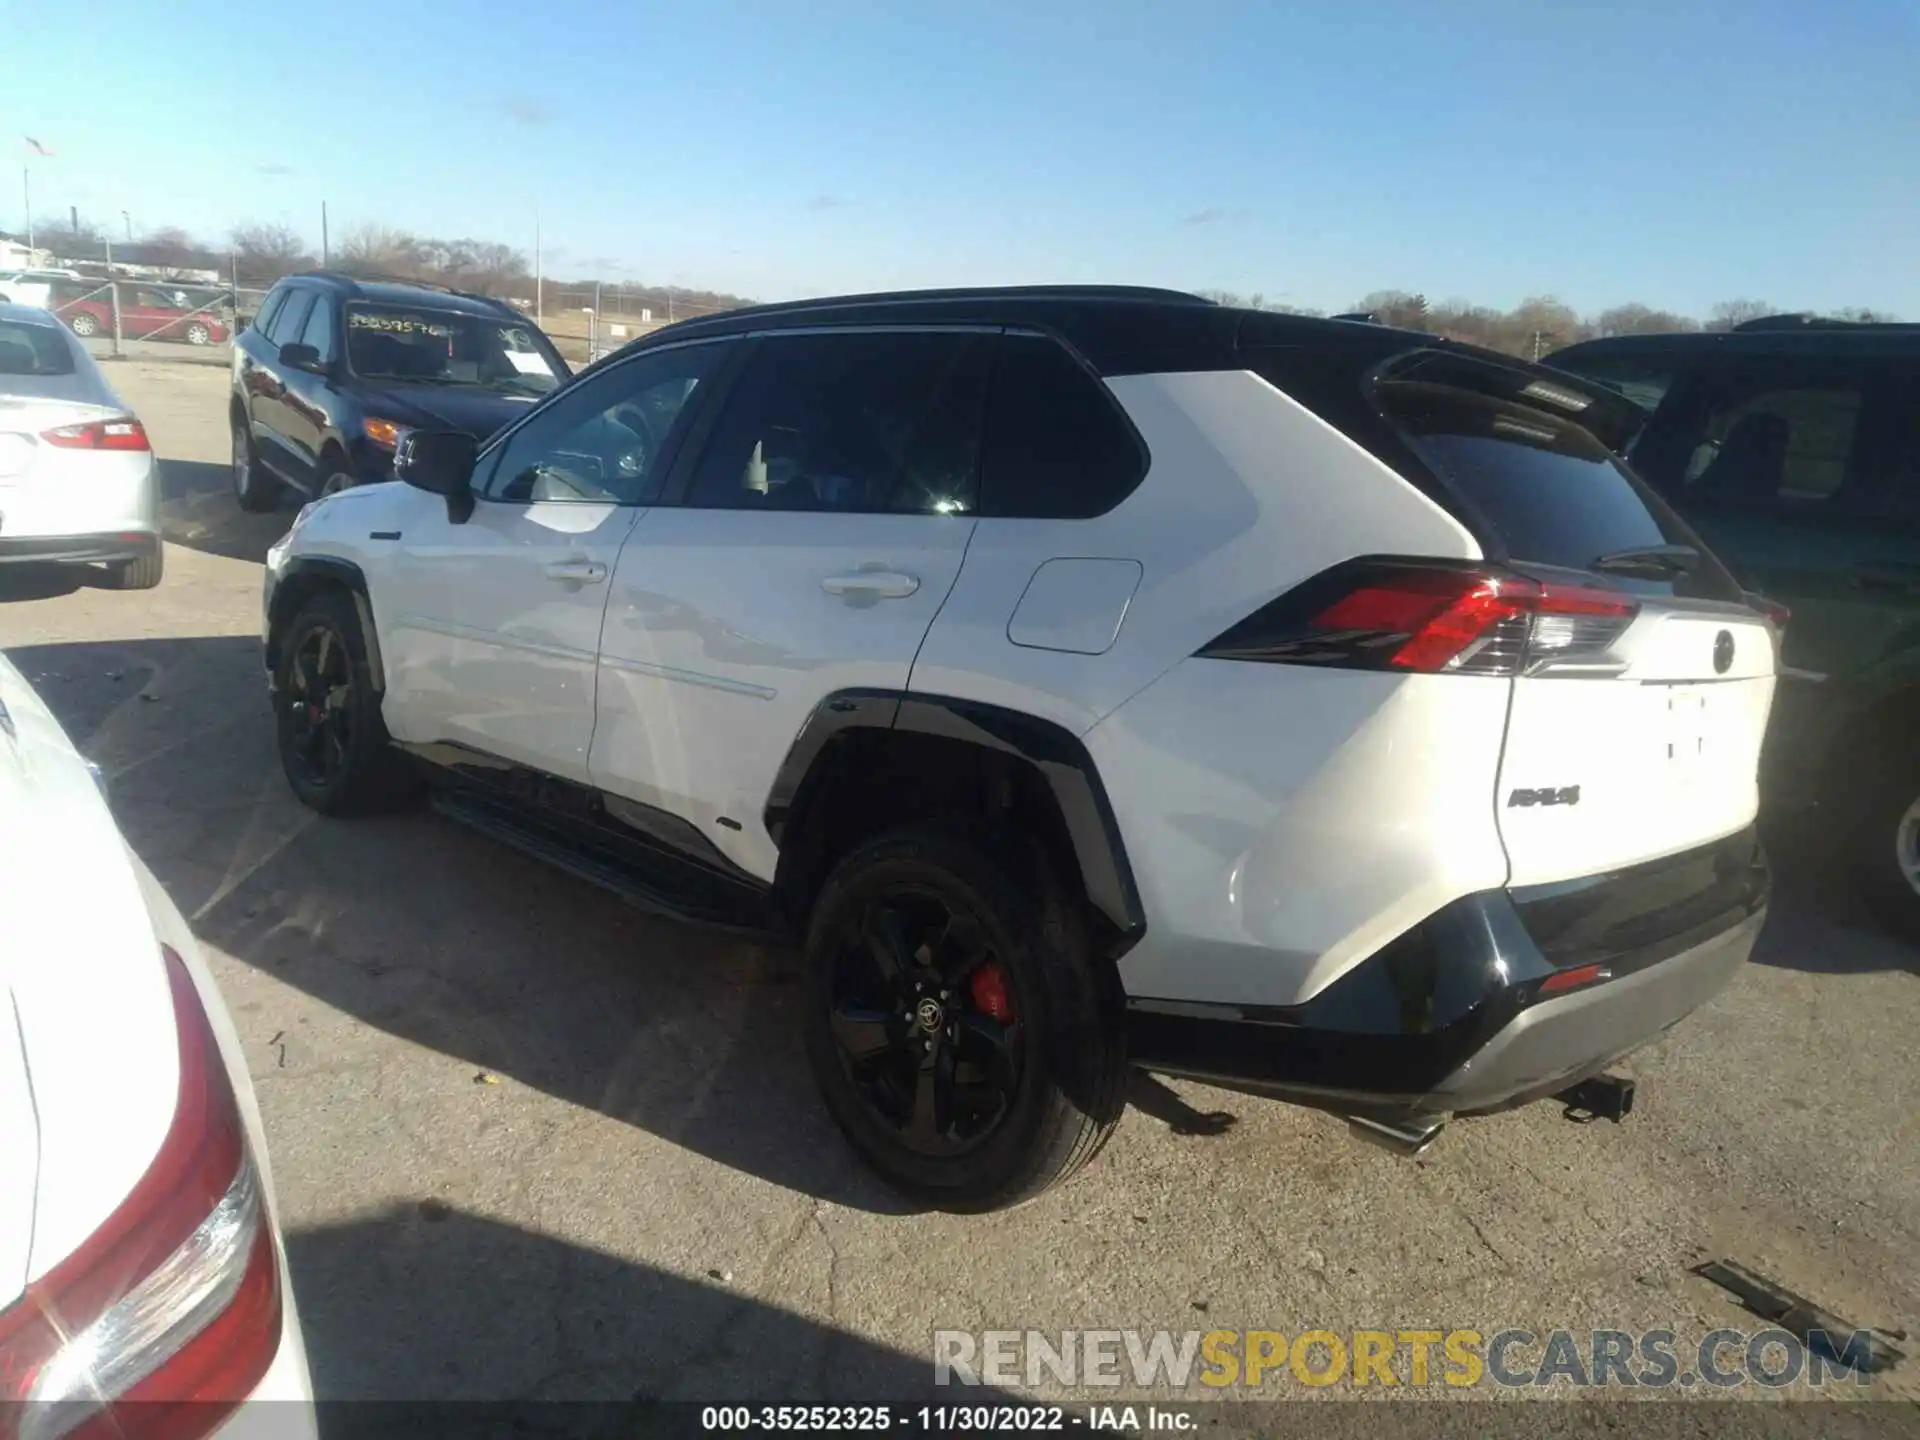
(1723, 652)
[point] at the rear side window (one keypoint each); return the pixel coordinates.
(863, 422)
(1057, 446)
(33, 350)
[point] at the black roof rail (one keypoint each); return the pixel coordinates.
(1806, 321)
(338, 276)
(496, 301)
(967, 292)
(1365, 317)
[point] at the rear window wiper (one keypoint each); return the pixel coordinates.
(1658, 561)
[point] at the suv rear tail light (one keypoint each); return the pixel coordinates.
(1777, 614)
(122, 432)
(168, 1315)
(1431, 618)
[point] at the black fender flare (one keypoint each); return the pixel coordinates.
(298, 578)
(1051, 749)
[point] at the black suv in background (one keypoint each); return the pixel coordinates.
(1793, 447)
(333, 371)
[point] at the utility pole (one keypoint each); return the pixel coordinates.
(113, 296)
(26, 201)
(539, 286)
(129, 219)
(325, 252)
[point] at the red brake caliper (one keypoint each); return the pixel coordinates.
(989, 990)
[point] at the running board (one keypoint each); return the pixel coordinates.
(648, 876)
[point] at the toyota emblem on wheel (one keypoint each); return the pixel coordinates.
(1723, 652)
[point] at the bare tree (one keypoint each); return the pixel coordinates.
(1729, 314)
(496, 269)
(69, 242)
(1638, 319)
(268, 251)
(1398, 307)
(171, 248)
(378, 250)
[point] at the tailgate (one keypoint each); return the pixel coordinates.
(1601, 771)
(1641, 696)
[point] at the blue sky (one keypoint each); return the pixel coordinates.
(1676, 153)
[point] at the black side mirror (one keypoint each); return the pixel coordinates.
(296, 356)
(441, 463)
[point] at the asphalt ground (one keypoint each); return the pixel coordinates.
(530, 1143)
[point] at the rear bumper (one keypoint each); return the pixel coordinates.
(1466, 1013)
(1555, 1042)
(77, 549)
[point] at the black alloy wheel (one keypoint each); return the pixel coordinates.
(923, 1019)
(318, 706)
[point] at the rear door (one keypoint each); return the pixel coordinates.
(1633, 732)
(824, 518)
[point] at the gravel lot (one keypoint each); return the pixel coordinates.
(531, 1143)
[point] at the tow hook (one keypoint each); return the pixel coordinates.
(1603, 1097)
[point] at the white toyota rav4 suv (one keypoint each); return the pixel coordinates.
(1090, 678)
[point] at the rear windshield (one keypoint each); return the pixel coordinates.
(33, 350)
(1552, 493)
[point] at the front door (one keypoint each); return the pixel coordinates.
(822, 524)
(269, 383)
(492, 625)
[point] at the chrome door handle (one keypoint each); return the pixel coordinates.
(577, 572)
(879, 584)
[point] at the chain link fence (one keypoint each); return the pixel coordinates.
(154, 319)
(195, 321)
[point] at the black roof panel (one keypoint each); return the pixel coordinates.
(1118, 329)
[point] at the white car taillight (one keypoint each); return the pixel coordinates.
(168, 1315)
(122, 432)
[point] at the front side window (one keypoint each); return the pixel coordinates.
(866, 422)
(287, 325)
(269, 312)
(603, 442)
(423, 345)
(318, 331)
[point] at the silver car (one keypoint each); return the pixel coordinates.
(78, 480)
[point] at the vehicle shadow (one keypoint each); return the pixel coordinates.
(197, 510)
(451, 941)
(442, 937)
(1819, 922)
(427, 1303)
(40, 582)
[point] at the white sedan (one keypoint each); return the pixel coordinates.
(78, 481)
(141, 1267)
